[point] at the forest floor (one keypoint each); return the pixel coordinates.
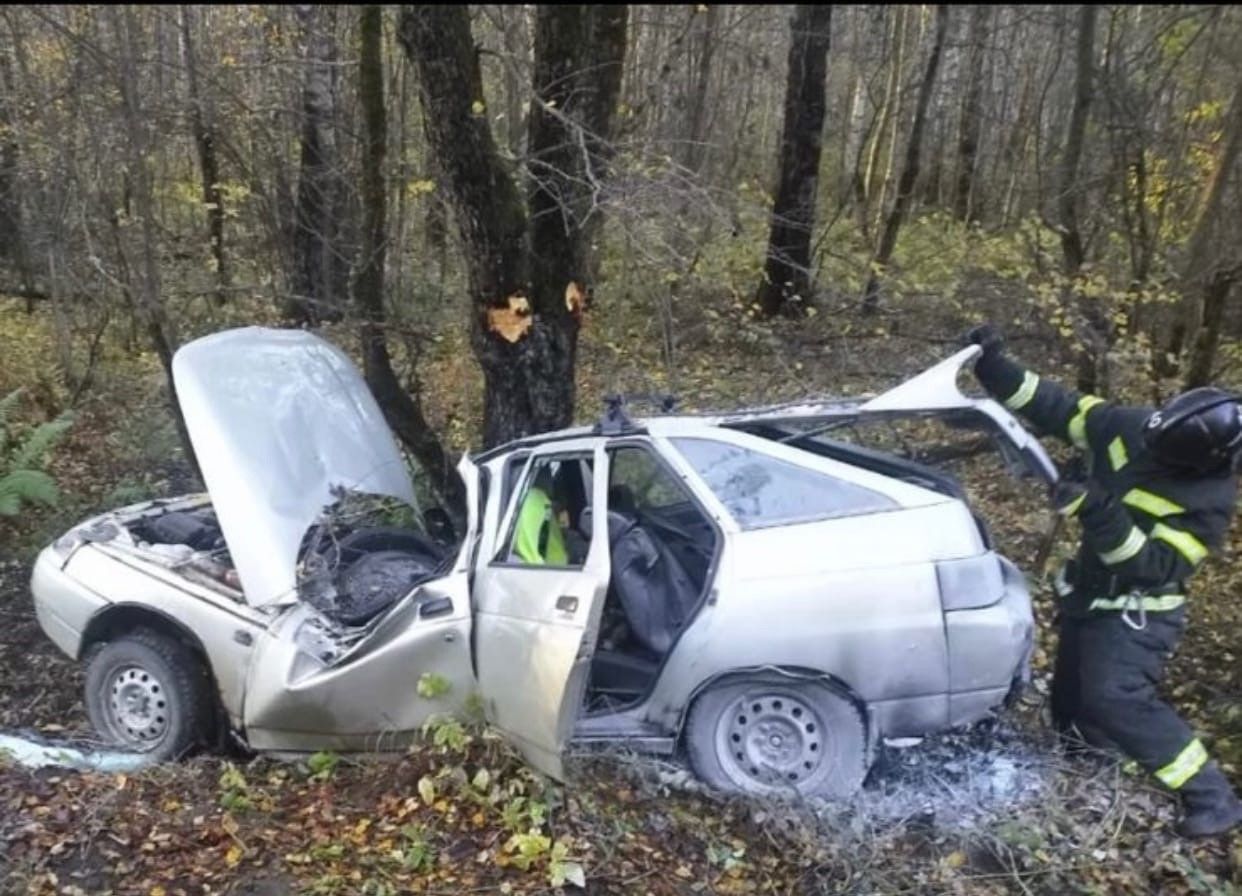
(992, 809)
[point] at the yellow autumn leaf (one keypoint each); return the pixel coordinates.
(233, 856)
(477, 107)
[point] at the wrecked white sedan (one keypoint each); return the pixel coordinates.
(740, 586)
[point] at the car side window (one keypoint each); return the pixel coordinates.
(760, 490)
(637, 481)
(547, 526)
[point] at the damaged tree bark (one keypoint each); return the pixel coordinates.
(527, 262)
(786, 283)
(402, 408)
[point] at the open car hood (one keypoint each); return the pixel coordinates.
(932, 393)
(281, 422)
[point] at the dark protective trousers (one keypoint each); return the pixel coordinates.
(1106, 682)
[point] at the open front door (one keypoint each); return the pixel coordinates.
(538, 600)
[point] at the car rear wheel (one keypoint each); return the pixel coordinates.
(768, 735)
(148, 692)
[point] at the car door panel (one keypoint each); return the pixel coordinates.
(535, 628)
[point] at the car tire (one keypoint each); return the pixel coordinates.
(773, 735)
(148, 692)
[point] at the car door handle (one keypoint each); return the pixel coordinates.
(567, 603)
(436, 607)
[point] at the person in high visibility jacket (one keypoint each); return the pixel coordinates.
(1158, 498)
(539, 539)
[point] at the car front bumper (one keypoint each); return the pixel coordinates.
(63, 606)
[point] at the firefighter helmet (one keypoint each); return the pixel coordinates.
(1199, 430)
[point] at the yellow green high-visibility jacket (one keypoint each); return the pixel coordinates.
(539, 539)
(1157, 526)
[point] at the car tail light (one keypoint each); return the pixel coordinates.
(970, 583)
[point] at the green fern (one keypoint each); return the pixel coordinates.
(31, 486)
(23, 479)
(31, 454)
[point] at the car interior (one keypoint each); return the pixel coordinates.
(662, 549)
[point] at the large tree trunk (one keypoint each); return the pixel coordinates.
(202, 125)
(1069, 195)
(965, 201)
(320, 279)
(786, 283)
(526, 276)
(910, 170)
(402, 409)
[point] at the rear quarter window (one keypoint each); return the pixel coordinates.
(760, 490)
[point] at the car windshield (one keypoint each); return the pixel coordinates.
(760, 490)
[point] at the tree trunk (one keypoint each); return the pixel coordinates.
(526, 276)
(202, 125)
(965, 201)
(1069, 194)
(145, 286)
(320, 280)
(786, 284)
(695, 144)
(403, 410)
(12, 237)
(910, 170)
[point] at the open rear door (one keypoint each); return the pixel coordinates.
(538, 600)
(932, 393)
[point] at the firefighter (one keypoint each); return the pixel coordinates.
(1158, 496)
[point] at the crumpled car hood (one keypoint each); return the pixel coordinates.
(280, 420)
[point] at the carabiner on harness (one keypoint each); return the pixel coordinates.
(1134, 599)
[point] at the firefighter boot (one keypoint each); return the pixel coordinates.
(1210, 806)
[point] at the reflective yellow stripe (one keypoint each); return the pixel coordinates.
(1117, 455)
(1020, 399)
(1185, 766)
(1187, 545)
(1132, 545)
(1072, 507)
(1152, 604)
(1077, 428)
(1149, 502)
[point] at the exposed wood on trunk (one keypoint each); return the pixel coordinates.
(402, 408)
(519, 265)
(910, 169)
(786, 284)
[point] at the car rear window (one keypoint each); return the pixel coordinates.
(760, 490)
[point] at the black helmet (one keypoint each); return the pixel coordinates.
(1199, 430)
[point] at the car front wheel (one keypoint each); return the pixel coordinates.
(767, 735)
(148, 692)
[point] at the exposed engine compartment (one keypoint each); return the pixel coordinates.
(353, 565)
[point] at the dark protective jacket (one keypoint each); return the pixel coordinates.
(1155, 526)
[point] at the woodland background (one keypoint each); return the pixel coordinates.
(506, 213)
